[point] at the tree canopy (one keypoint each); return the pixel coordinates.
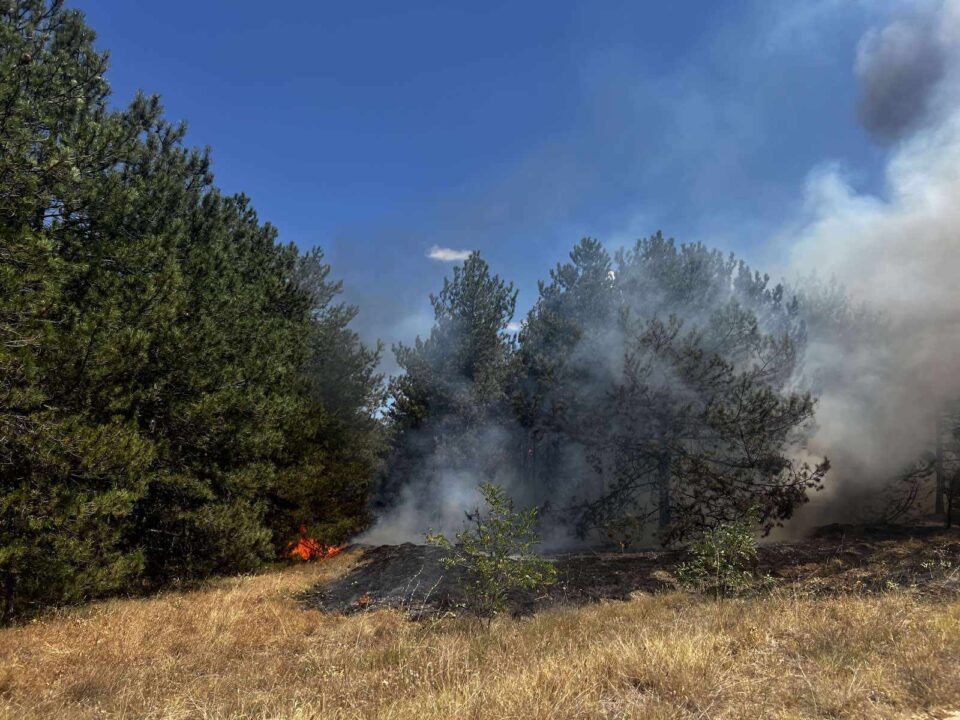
(181, 393)
(454, 383)
(666, 373)
(178, 391)
(649, 394)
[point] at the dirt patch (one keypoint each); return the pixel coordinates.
(837, 560)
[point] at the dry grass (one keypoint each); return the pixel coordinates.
(244, 648)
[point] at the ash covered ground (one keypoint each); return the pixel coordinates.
(835, 560)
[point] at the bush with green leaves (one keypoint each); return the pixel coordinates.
(496, 551)
(723, 559)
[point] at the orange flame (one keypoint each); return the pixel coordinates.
(307, 548)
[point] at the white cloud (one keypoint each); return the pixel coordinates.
(513, 327)
(447, 254)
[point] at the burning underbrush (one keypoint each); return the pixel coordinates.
(837, 560)
(308, 548)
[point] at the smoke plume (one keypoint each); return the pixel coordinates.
(883, 382)
(903, 68)
(446, 485)
(884, 363)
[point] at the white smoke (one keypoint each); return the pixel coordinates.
(439, 494)
(433, 504)
(882, 376)
(899, 253)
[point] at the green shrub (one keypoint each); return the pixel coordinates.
(723, 559)
(496, 550)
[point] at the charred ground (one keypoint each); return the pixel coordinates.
(836, 560)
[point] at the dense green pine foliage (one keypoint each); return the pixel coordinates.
(178, 392)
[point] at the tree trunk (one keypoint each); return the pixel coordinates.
(951, 495)
(9, 589)
(941, 480)
(663, 480)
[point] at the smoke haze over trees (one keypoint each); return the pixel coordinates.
(649, 393)
(672, 374)
(180, 392)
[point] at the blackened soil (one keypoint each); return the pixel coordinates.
(835, 560)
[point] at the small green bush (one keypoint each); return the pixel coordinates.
(496, 550)
(723, 559)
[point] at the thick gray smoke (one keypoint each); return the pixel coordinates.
(903, 70)
(884, 373)
(883, 387)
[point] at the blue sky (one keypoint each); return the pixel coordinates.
(381, 129)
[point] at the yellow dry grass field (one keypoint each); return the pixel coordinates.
(244, 648)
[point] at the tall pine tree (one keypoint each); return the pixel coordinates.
(455, 381)
(170, 380)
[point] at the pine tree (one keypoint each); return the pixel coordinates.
(70, 471)
(165, 369)
(338, 446)
(564, 346)
(655, 391)
(455, 381)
